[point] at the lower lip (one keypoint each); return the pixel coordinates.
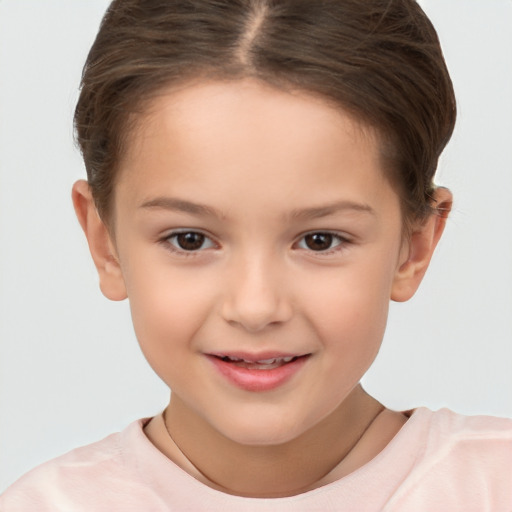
(258, 380)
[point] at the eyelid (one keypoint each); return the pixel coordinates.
(343, 241)
(166, 241)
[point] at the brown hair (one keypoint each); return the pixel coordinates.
(379, 60)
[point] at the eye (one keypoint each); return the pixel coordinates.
(320, 242)
(189, 241)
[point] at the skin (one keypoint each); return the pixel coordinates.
(267, 167)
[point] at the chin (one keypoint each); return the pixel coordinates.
(261, 431)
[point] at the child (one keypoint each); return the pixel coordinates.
(260, 186)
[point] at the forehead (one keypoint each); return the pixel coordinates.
(203, 108)
(206, 102)
(234, 135)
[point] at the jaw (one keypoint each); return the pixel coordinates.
(270, 469)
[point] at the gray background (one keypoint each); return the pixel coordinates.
(70, 368)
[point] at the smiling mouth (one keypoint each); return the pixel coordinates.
(262, 364)
(256, 373)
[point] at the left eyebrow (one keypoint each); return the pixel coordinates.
(330, 209)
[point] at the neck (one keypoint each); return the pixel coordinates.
(324, 453)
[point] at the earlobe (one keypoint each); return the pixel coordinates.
(100, 244)
(418, 251)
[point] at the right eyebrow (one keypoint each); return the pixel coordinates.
(180, 205)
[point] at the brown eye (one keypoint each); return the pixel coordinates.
(190, 241)
(320, 242)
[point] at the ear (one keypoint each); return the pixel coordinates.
(100, 243)
(418, 250)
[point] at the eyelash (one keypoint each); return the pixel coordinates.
(341, 242)
(167, 241)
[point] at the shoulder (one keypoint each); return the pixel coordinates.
(448, 420)
(449, 432)
(87, 476)
(465, 461)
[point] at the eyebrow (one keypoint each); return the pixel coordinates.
(175, 204)
(330, 209)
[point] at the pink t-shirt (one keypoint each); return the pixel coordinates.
(439, 461)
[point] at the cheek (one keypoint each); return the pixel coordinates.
(353, 326)
(168, 308)
(349, 306)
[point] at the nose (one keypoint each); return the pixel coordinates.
(256, 296)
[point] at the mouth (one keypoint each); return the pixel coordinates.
(259, 364)
(258, 373)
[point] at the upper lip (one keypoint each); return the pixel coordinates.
(256, 357)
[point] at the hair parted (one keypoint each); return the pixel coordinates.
(379, 60)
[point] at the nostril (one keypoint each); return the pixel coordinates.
(255, 300)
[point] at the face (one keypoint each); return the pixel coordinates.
(259, 242)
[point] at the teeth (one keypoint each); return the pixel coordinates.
(228, 359)
(273, 361)
(261, 361)
(267, 361)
